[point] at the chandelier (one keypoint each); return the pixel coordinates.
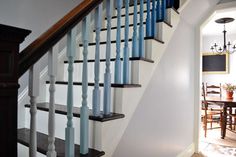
(226, 48)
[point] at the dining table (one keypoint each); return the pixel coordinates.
(225, 103)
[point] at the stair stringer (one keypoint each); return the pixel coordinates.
(127, 99)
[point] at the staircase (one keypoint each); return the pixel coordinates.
(96, 129)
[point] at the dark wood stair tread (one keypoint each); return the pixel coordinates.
(62, 109)
(42, 140)
(166, 22)
(113, 59)
(100, 84)
(153, 38)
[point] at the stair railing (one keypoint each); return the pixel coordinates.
(68, 26)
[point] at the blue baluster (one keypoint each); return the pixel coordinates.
(161, 10)
(153, 18)
(126, 47)
(84, 116)
(170, 3)
(158, 10)
(148, 20)
(164, 10)
(96, 91)
(107, 75)
(135, 52)
(141, 31)
(118, 40)
(71, 46)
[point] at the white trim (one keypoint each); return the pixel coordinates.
(183, 4)
(188, 152)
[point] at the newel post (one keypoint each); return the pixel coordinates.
(10, 38)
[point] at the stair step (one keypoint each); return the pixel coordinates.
(100, 84)
(153, 38)
(175, 10)
(131, 25)
(113, 59)
(114, 41)
(42, 140)
(166, 22)
(123, 15)
(62, 109)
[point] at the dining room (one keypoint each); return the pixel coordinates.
(218, 88)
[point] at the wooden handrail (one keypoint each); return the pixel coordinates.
(31, 54)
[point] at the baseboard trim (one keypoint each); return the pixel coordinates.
(188, 152)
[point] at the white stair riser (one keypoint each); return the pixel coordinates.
(91, 50)
(23, 151)
(131, 8)
(114, 20)
(79, 66)
(103, 34)
(61, 95)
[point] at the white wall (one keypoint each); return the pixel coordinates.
(220, 78)
(163, 123)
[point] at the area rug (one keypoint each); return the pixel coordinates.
(216, 150)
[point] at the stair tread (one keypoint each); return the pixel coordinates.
(153, 38)
(42, 140)
(166, 22)
(113, 59)
(101, 84)
(62, 109)
(114, 41)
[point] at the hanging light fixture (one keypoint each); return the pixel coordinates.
(226, 48)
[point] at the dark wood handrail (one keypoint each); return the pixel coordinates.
(31, 54)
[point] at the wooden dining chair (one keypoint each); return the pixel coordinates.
(213, 90)
(207, 114)
(216, 90)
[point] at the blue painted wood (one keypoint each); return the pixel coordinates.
(84, 115)
(163, 9)
(158, 10)
(126, 46)
(118, 41)
(135, 52)
(96, 91)
(170, 3)
(107, 75)
(148, 20)
(153, 18)
(141, 31)
(71, 46)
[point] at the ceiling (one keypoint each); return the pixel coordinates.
(212, 28)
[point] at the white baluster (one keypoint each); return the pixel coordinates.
(33, 93)
(52, 71)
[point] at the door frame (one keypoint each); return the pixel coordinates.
(198, 69)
